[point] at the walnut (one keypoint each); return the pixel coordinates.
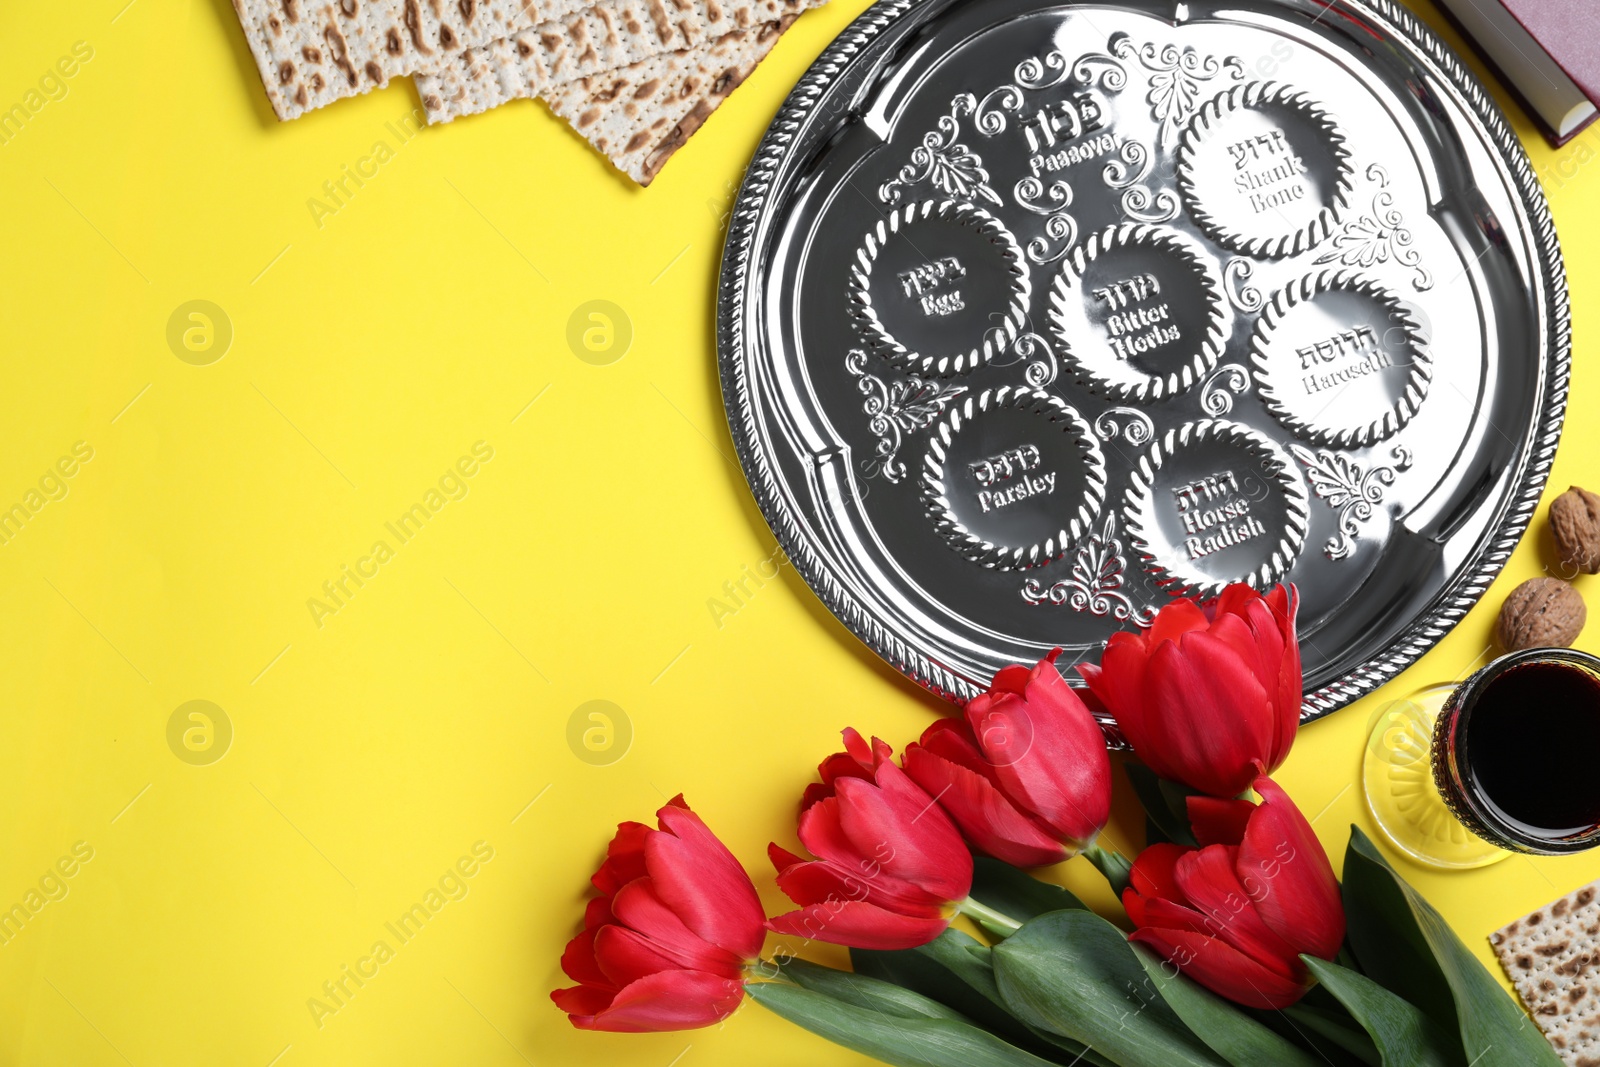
(1575, 522)
(1541, 613)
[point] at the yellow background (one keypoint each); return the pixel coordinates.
(431, 711)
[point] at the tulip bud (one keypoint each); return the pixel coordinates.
(1025, 776)
(1236, 914)
(667, 944)
(891, 868)
(1208, 695)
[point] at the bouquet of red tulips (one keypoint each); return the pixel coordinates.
(1244, 947)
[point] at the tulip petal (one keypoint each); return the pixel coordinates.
(1285, 605)
(897, 827)
(990, 821)
(820, 882)
(1013, 679)
(852, 875)
(1002, 729)
(781, 857)
(578, 961)
(1235, 600)
(1154, 872)
(624, 858)
(951, 739)
(583, 999)
(1176, 618)
(1216, 821)
(1159, 913)
(1215, 720)
(1063, 775)
(1222, 969)
(815, 793)
(696, 876)
(597, 913)
(859, 925)
(1280, 850)
(637, 906)
(857, 747)
(1213, 888)
(1277, 664)
(821, 831)
(669, 1000)
(625, 956)
(1120, 682)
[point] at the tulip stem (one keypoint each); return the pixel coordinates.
(1111, 863)
(996, 923)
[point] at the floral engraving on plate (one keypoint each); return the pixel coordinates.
(1176, 75)
(1127, 172)
(1349, 490)
(1130, 424)
(1048, 200)
(1216, 395)
(1099, 570)
(953, 168)
(895, 410)
(1042, 366)
(1242, 295)
(1378, 236)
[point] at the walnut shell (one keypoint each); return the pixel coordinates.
(1575, 523)
(1541, 613)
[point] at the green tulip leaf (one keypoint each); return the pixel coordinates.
(1350, 1043)
(1074, 974)
(898, 1040)
(1230, 1033)
(1164, 803)
(1405, 946)
(972, 993)
(865, 992)
(1405, 1037)
(973, 964)
(1016, 893)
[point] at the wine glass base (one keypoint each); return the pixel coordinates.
(1397, 775)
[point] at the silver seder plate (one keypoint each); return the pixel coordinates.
(1033, 316)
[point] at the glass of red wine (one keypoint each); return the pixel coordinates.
(1462, 776)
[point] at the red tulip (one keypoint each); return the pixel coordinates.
(1026, 776)
(1208, 695)
(892, 867)
(666, 944)
(1236, 914)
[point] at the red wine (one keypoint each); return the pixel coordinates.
(1531, 747)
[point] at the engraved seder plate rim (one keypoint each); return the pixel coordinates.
(738, 311)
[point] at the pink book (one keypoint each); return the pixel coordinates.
(1547, 52)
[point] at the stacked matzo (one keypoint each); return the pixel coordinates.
(636, 77)
(1553, 959)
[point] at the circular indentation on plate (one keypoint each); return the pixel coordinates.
(1263, 170)
(1013, 477)
(1140, 312)
(1340, 360)
(939, 287)
(1214, 503)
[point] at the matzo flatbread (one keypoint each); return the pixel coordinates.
(607, 36)
(640, 114)
(313, 52)
(1553, 959)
